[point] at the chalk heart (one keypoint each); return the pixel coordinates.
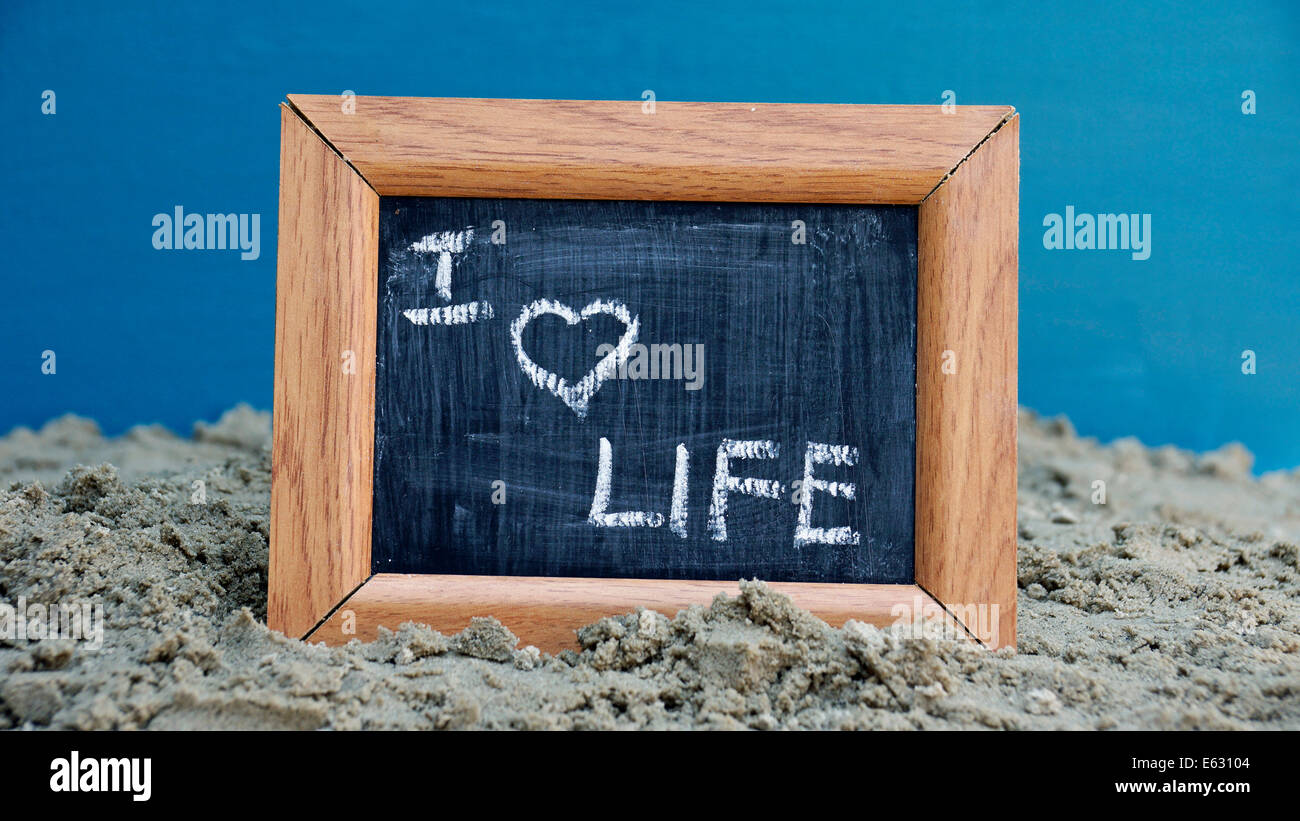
(578, 394)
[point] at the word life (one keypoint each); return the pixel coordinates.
(726, 482)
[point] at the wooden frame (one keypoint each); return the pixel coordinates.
(960, 166)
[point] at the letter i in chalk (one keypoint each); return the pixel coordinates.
(444, 244)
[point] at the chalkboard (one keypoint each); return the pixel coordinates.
(643, 389)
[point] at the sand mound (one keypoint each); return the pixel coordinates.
(1172, 605)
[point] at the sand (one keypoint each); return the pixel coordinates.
(1172, 605)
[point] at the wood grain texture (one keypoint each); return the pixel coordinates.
(966, 422)
(545, 612)
(720, 152)
(323, 430)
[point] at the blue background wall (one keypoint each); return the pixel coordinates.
(1123, 109)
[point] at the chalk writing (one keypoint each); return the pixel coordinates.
(576, 396)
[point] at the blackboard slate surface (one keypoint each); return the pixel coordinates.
(802, 343)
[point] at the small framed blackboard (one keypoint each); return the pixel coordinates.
(549, 361)
(639, 389)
